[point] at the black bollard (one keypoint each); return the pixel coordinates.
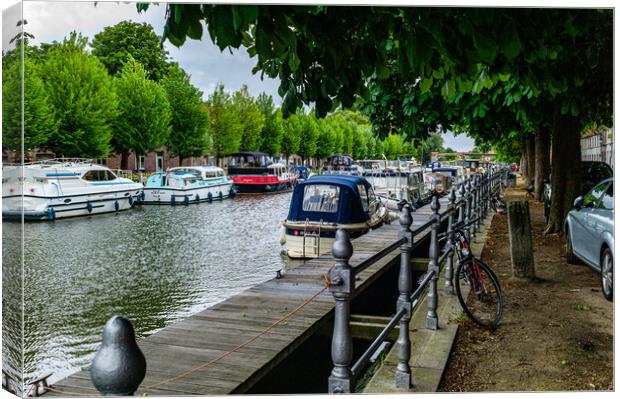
(119, 365)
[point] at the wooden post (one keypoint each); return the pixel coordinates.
(520, 233)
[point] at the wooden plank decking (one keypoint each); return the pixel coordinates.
(177, 356)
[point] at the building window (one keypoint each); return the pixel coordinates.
(140, 161)
(159, 162)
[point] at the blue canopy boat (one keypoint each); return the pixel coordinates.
(323, 204)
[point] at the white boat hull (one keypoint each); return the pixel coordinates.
(49, 208)
(311, 247)
(163, 195)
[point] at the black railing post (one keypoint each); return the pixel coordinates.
(468, 218)
(119, 365)
(479, 201)
(463, 203)
(342, 285)
(432, 321)
(449, 287)
(405, 288)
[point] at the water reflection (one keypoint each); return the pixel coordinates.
(153, 264)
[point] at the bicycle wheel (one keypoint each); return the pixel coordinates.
(479, 292)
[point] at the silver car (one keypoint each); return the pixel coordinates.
(589, 229)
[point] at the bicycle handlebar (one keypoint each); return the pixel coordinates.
(458, 226)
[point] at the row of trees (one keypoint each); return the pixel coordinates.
(125, 95)
(113, 99)
(533, 78)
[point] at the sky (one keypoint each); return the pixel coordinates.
(54, 20)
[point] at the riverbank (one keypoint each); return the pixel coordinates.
(556, 333)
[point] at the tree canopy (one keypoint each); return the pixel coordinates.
(82, 98)
(115, 43)
(143, 124)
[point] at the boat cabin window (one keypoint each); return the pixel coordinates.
(249, 161)
(99, 175)
(321, 198)
(363, 195)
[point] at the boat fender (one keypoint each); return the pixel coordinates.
(186, 199)
(51, 214)
(197, 198)
(116, 205)
(282, 235)
(89, 206)
(233, 192)
(130, 201)
(221, 196)
(209, 197)
(142, 196)
(173, 199)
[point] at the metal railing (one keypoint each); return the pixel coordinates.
(469, 206)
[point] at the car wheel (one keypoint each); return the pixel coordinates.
(607, 274)
(570, 256)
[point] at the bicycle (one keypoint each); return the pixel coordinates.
(483, 303)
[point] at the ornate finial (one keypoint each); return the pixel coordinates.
(119, 365)
(405, 216)
(342, 248)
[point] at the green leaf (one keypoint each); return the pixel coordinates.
(574, 109)
(504, 77)
(293, 61)
(195, 30)
(425, 84)
(438, 73)
(383, 72)
(511, 45)
(177, 10)
(486, 46)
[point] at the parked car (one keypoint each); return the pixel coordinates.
(592, 172)
(589, 229)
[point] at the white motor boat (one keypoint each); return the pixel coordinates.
(188, 184)
(60, 188)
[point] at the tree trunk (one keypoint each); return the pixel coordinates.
(565, 169)
(542, 160)
(180, 160)
(520, 236)
(530, 158)
(125, 160)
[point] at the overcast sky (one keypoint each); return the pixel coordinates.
(49, 21)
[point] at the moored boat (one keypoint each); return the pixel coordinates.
(59, 188)
(342, 165)
(188, 184)
(254, 172)
(323, 204)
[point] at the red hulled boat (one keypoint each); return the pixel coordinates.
(255, 172)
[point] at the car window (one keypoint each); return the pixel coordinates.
(608, 199)
(594, 195)
(594, 172)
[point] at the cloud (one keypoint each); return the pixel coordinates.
(10, 17)
(49, 21)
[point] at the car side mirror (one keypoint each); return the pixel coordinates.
(578, 202)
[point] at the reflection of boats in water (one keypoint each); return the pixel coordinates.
(341, 165)
(254, 172)
(59, 188)
(188, 184)
(321, 205)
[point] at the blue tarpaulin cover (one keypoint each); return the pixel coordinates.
(350, 209)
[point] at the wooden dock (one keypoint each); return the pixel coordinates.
(201, 355)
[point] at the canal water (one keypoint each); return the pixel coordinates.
(152, 264)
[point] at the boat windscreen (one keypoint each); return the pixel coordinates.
(321, 198)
